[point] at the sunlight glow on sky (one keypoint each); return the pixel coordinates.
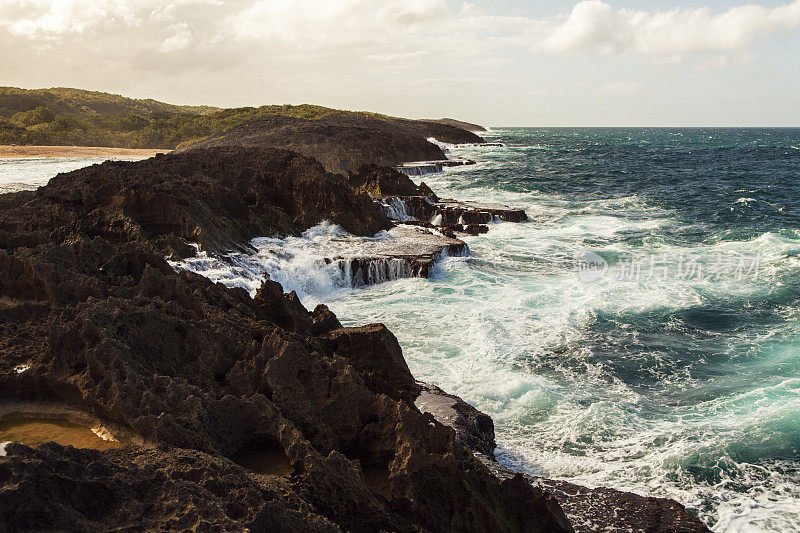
(501, 62)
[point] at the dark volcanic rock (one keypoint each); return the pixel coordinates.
(589, 510)
(510, 215)
(383, 181)
(474, 429)
(423, 208)
(202, 374)
(476, 229)
(344, 142)
(469, 217)
(426, 191)
(452, 215)
(603, 509)
(421, 168)
(324, 320)
(67, 489)
(219, 198)
(377, 356)
(409, 252)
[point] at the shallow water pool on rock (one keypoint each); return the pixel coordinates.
(33, 430)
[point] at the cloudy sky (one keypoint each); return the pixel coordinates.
(497, 62)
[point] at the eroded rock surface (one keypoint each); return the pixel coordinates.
(344, 142)
(421, 168)
(589, 510)
(448, 215)
(474, 429)
(199, 372)
(382, 181)
(219, 198)
(402, 200)
(52, 487)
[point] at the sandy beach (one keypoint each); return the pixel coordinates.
(8, 152)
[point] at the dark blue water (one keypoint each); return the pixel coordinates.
(699, 173)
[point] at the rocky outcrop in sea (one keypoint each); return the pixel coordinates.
(402, 200)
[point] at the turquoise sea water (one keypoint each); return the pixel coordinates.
(676, 384)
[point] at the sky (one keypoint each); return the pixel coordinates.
(494, 62)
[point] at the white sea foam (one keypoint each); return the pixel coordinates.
(395, 208)
(319, 264)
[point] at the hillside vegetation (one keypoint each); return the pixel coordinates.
(63, 116)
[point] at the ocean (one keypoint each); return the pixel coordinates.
(641, 331)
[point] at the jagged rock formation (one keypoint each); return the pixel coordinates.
(474, 429)
(218, 198)
(402, 200)
(602, 508)
(205, 376)
(250, 413)
(344, 142)
(376, 180)
(427, 192)
(144, 488)
(589, 510)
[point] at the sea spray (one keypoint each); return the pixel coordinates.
(326, 260)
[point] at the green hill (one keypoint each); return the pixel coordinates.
(63, 116)
(81, 104)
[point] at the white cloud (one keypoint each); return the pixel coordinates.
(594, 26)
(400, 26)
(621, 87)
(48, 19)
(315, 24)
(180, 39)
(723, 61)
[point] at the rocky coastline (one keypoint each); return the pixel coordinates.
(236, 412)
(588, 509)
